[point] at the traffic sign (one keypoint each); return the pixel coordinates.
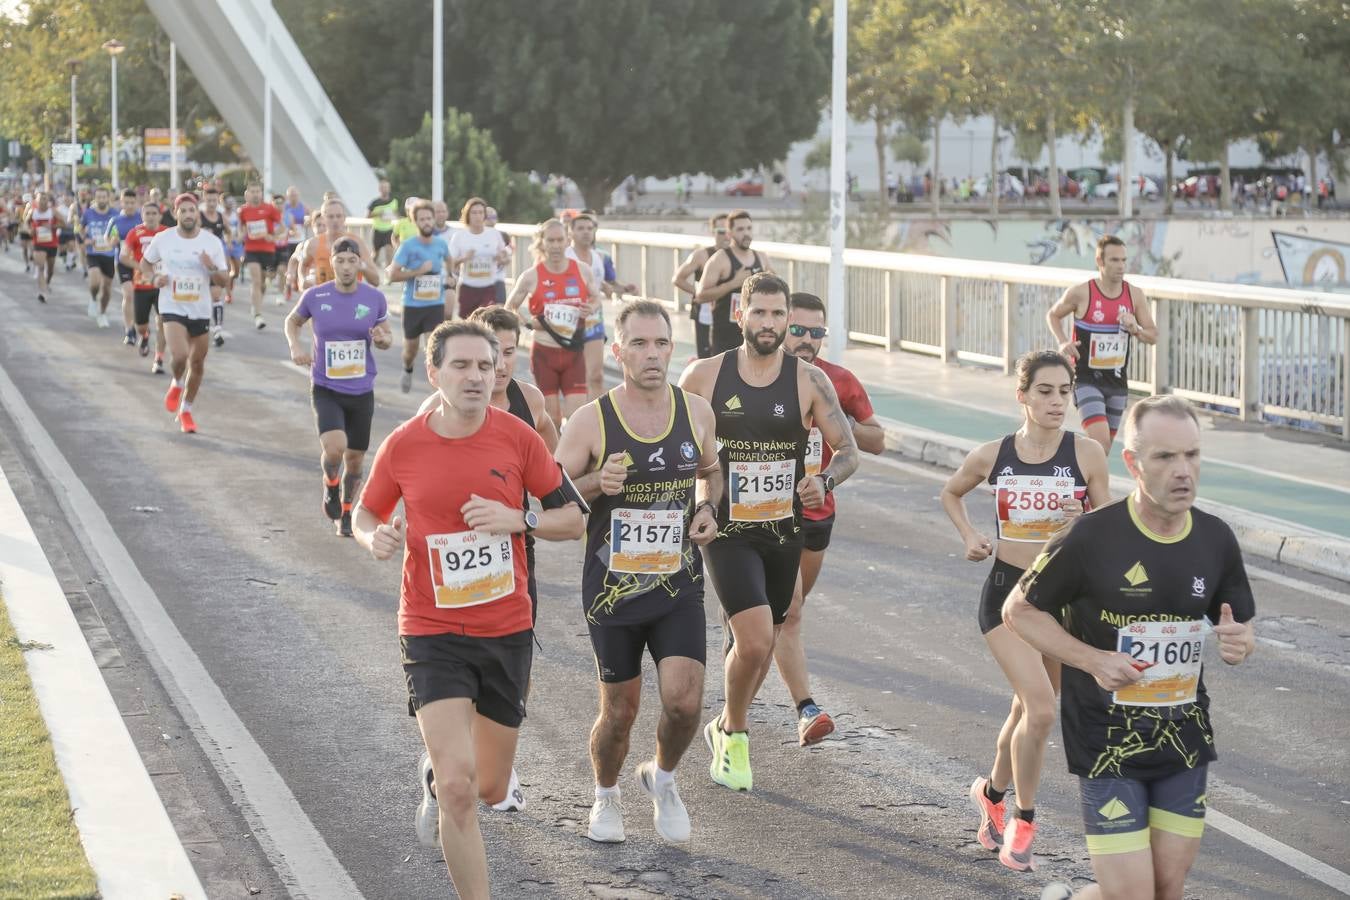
(67, 154)
(88, 154)
(159, 155)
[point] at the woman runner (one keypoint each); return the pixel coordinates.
(1042, 476)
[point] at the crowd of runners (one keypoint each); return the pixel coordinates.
(1096, 610)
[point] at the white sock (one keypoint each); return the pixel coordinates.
(603, 792)
(187, 407)
(661, 777)
(177, 383)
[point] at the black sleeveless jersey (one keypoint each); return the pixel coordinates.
(698, 276)
(762, 449)
(639, 561)
(726, 329)
(1027, 495)
(516, 404)
(217, 227)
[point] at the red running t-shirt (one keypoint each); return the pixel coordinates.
(854, 401)
(137, 240)
(258, 221)
(455, 580)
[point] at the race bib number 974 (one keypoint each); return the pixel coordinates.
(762, 491)
(1168, 654)
(646, 541)
(470, 567)
(1107, 351)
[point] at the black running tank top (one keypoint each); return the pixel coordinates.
(762, 449)
(639, 560)
(516, 404)
(1028, 496)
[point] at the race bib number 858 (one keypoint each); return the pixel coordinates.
(470, 567)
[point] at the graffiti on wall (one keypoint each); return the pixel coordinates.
(1311, 262)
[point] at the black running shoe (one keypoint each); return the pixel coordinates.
(332, 501)
(344, 527)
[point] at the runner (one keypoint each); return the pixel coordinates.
(1106, 312)
(765, 401)
(464, 625)
(806, 333)
(499, 276)
(561, 295)
(477, 251)
(44, 223)
(383, 210)
(422, 262)
(278, 272)
(581, 229)
(405, 229)
(72, 242)
(294, 219)
(213, 219)
(347, 318)
(311, 263)
(687, 277)
(1043, 477)
(442, 213)
(1135, 582)
(127, 218)
(26, 232)
(188, 259)
(145, 296)
(723, 275)
(636, 455)
(235, 248)
(98, 235)
(260, 224)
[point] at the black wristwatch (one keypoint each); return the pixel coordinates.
(531, 521)
(827, 481)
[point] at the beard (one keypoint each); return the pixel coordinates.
(752, 340)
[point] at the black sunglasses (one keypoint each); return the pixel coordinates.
(817, 334)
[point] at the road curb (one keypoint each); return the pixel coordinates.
(1270, 538)
(124, 828)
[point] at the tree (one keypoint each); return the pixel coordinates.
(600, 89)
(473, 168)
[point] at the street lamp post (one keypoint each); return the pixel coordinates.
(114, 47)
(74, 66)
(173, 118)
(837, 315)
(437, 101)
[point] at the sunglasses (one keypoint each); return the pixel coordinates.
(719, 231)
(801, 330)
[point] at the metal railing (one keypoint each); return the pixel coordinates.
(1260, 354)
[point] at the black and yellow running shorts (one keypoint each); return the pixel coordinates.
(1119, 813)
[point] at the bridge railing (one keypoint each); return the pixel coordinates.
(1260, 354)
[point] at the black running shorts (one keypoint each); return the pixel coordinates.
(143, 300)
(492, 672)
(104, 264)
(747, 573)
(680, 632)
(265, 258)
(348, 413)
(420, 320)
(195, 327)
(1003, 577)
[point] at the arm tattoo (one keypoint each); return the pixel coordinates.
(845, 460)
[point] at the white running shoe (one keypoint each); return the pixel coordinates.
(428, 820)
(515, 797)
(102, 320)
(92, 311)
(668, 812)
(606, 820)
(1056, 890)
(258, 322)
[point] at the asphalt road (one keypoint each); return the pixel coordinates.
(297, 628)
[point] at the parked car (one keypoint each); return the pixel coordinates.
(1010, 186)
(1144, 187)
(746, 187)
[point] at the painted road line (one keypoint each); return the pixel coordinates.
(1315, 589)
(124, 828)
(1294, 859)
(304, 862)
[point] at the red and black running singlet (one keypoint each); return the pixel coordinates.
(1103, 347)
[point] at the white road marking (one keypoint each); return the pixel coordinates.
(1315, 589)
(1294, 859)
(303, 860)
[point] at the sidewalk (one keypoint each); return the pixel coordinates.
(124, 828)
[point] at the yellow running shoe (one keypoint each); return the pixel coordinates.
(730, 765)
